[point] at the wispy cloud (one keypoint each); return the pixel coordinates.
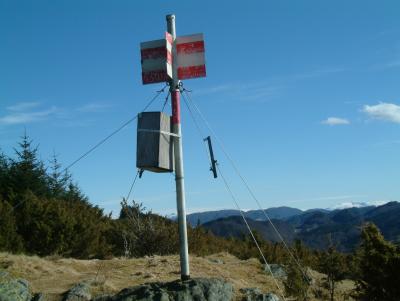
(387, 65)
(335, 121)
(346, 205)
(93, 108)
(383, 111)
(318, 73)
(23, 106)
(17, 115)
(264, 89)
(393, 64)
(259, 91)
(328, 198)
(387, 143)
(34, 111)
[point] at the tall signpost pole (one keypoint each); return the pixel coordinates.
(178, 156)
(174, 58)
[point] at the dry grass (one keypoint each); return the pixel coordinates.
(53, 276)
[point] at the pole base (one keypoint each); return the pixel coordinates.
(185, 277)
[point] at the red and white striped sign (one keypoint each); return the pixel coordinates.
(190, 56)
(156, 60)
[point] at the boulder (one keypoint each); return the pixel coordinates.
(104, 297)
(79, 292)
(277, 270)
(216, 260)
(14, 289)
(199, 289)
(254, 294)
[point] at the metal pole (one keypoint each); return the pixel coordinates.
(178, 157)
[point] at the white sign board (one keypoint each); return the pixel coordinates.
(190, 56)
(156, 59)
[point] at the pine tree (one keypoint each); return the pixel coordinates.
(58, 179)
(27, 172)
(4, 171)
(379, 265)
(332, 263)
(296, 283)
(9, 238)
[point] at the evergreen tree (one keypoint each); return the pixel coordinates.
(4, 171)
(333, 264)
(58, 180)
(27, 172)
(9, 238)
(296, 283)
(379, 266)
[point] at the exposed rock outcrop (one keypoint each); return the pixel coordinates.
(254, 294)
(80, 292)
(199, 289)
(277, 270)
(14, 289)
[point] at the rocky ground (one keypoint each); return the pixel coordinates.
(53, 276)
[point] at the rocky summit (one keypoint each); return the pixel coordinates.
(199, 289)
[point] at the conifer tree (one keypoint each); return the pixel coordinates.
(58, 180)
(4, 170)
(27, 172)
(296, 283)
(332, 263)
(379, 266)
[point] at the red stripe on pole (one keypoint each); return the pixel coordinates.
(169, 57)
(191, 72)
(191, 47)
(176, 107)
(169, 38)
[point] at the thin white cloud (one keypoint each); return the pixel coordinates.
(393, 64)
(387, 65)
(26, 117)
(23, 106)
(93, 108)
(326, 198)
(383, 111)
(335, 121)
(346, 205)
(318, 73)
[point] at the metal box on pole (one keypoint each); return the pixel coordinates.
(154, 142)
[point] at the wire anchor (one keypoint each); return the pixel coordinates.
(213, 166)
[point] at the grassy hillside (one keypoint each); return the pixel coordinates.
(53, 276)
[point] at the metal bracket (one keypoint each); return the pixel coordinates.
(213, 167)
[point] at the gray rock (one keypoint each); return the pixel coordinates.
(103, 298)
(254, 294)
(3, 274)
(216, 260)
(14, 289)
(277, 270)
(198, 289)
(80, 292)
(38, 297)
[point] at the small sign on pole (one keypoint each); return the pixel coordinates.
(190, 56)
(156, 57)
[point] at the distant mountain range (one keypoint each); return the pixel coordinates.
(280, 213)
(314, 227)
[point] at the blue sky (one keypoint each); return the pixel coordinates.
(304, 94)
